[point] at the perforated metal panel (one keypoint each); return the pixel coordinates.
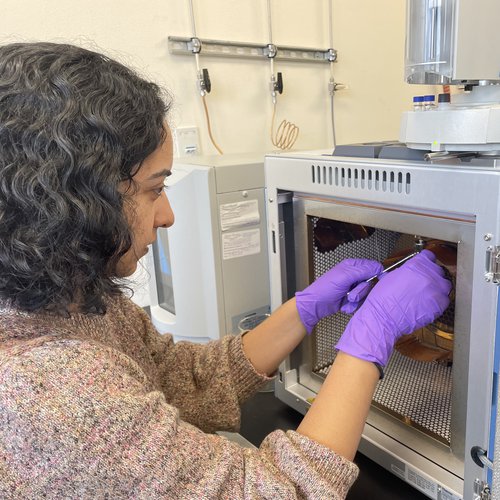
(377, 246)
(417, 393)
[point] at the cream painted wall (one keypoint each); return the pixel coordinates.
(369, 37)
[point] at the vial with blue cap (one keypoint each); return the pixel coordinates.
(429, 102)
(418, 103)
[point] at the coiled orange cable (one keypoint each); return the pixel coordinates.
(286, 135)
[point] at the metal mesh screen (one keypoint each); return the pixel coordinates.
(378, 246)
(416, 392)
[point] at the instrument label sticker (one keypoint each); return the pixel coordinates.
(421, 483)
(239, 214)
(240, 243)
(448, 495)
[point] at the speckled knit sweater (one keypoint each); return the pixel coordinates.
(95, 407)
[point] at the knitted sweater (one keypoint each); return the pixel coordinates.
(104, 407)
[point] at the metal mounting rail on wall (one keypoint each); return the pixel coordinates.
(218, 48)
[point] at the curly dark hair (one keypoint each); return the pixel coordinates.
(73, 125)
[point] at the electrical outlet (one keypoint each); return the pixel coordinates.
(186, 141)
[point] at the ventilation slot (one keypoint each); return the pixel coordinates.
(362, 178)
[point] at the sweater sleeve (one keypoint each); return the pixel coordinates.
(79, 420)
(206, 382)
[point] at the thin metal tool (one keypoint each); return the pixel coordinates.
(404, 259)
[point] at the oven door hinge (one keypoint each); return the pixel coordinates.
(481, 490)
(492, 273)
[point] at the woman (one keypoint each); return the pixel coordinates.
(94, 403)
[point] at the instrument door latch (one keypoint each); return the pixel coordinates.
(480, 457)
(492, 272)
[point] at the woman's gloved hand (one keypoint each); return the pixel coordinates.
(328, 293)
(404, 300)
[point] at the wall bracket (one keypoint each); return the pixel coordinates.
(218, 48)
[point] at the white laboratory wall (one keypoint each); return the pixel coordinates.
(368, 35)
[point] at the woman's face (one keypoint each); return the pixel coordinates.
(150, 208)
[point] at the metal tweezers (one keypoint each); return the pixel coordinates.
(399, 262)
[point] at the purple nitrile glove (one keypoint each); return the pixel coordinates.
(328, 293)
(406, 299)
(356, 296)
